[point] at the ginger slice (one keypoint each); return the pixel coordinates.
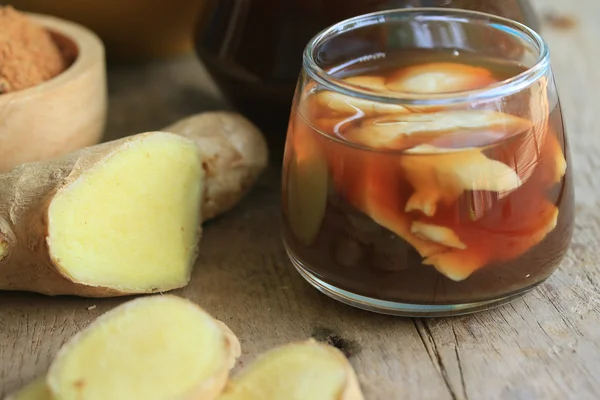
(439, 77)
(296, 371)
(438, 234)
(372, 186)
(509, 226)
(307, 184)
(523, 153)
(407, 130)
(157, 347)
(552, 160)
(114, 219)
(442, 175)
(374, 83)
(559, 162)
(344, 104)
(35, 390)
(484, 246)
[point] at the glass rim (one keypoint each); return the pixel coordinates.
(499, 89)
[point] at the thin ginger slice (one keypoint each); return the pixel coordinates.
(114, 219)
(296, 371)
(156, 347)
(371, 183)
(499, 244)
(558, 163)
(344, 104)
(438, 234)
(403, 131)
(439, 77)
(35, 390)
(509, 226)
(523, 153)
(537, 150)
(442, 175)
(374, 83)
(306, 184)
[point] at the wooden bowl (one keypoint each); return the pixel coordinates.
(64, 113)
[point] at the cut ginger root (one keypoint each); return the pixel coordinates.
(117, 218)
(234, 154)
(296, 371)
(124, 217)
(155, 347)
(439, 77)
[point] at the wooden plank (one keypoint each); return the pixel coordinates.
(545, 345)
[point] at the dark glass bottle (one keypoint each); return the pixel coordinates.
(253, 48)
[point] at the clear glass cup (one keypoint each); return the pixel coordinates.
(426, 168)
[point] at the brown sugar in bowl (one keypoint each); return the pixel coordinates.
(64, 113)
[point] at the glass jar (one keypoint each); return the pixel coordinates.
(426, 168)
(253, 48)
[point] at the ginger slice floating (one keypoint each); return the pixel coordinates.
(510, 226)
(157, 347)
(523, 154)
(375, 83)
(438, 234)
(559, 163)
(403, 131)
(36, 390)
(353, 105)
(503, 243)
(442, 175)
(371, 184)
(439, 77)
(307, 184)
(296, 371)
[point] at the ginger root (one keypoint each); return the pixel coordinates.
(124, 217)
(113, 219)
(166, 347)
(296, 371)
(234, 153)
(155, 347)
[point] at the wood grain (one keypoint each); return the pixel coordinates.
(544, 345)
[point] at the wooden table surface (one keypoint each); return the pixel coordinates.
(545, 345)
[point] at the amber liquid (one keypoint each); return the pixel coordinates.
(253, 48)
(494, 243)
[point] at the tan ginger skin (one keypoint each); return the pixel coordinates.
(233, 154)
